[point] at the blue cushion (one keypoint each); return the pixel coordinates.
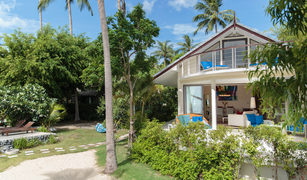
(221, 66)
(197, 118)
(186, 119)
(254, 125)
(251, 118)
(259, 119)
(181, 120)
(206, 64)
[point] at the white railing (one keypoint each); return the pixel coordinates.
(230, 58)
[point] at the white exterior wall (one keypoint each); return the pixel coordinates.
(180, 97)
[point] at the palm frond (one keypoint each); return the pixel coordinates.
(43, 4)
(85, 3)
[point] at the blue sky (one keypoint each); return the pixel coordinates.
(174, 17)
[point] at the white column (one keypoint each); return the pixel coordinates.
(182, 70)
(189, 67)
(198, 64)
(213, 103)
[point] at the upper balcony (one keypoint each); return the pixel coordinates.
(228, 58)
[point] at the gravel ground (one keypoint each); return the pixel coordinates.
(76, 166)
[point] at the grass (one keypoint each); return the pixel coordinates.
(67, 138)
(127, 168)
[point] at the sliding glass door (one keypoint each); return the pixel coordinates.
(193, 99)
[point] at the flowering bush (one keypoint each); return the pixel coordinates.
(29, 102)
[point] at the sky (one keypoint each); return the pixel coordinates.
(174, 17)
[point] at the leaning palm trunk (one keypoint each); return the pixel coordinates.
(111, 162)
(40, 19)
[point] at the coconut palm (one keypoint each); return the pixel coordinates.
(187, 45)
(111, 162)
(43, 4)
(212, 15)
(165, 50)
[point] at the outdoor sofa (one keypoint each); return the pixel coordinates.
(185, 119)
(239, 119)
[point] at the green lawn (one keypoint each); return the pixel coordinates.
(127, 168)
(67, 138)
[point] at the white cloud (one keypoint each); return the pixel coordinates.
(129, 6)
(10, 21)
(178, 4)
(148, 5)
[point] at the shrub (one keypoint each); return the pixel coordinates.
(29, 102)
(24, 143)
(188, 152)
(42, 129)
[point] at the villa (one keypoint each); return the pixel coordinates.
(211, 78)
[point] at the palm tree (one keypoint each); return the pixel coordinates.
(187, 45)
(111, 161)
(43, 4)
(40, 18)
(164, 51)
(212, 15)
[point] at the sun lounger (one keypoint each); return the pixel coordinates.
(26, 128)
(207, 65)
(16, 126)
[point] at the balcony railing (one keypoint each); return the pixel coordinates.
(226, 58)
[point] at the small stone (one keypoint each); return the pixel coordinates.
(81, 145)
(97, 145)
(13, 156)
(29, 154)
(91, 144)
(58, 148)
(85, 148)
(2, 156)
(46, 152)
(73, 149)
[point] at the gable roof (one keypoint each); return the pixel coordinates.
(210, 39)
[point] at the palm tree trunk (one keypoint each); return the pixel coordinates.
(111, 161)
(215, 27)
(40, 18)
(69, 12)
(131, 132)
(165, 61)
(77, 117)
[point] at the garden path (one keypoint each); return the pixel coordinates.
(76, 166)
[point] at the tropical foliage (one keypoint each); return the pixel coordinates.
(285, 76)
(289, 13)
(56, 113)
(191, 152)
(212, 16)
(44, 59)
(165, 51)
(187, 45)
(29, 102)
